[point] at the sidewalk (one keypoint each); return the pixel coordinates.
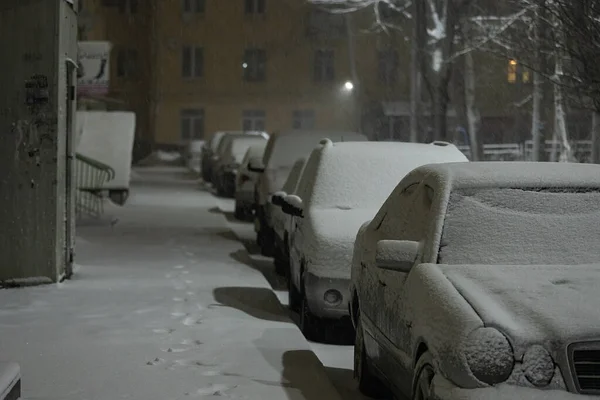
(159, 308)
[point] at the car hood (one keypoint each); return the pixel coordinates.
(551, 304)
(329, 241)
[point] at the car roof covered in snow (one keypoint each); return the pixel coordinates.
(511, 174)
(285, 147)
(362, 174)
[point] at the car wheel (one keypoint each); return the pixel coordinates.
(266, 243)
(294, 299)
(368, 384)
(309, 324)
(424, 374)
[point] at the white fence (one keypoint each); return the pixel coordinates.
(582, 150)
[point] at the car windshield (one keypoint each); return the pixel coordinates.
(239, 147)
(522, 226)
(216, 140)
(289, 147)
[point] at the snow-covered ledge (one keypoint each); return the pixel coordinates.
(10, 381)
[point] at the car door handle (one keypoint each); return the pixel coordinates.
(382, 283)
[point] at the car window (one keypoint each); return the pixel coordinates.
(396, 208)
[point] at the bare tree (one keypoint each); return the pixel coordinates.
(579, 23)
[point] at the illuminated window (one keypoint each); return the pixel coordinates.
(517, 73)
(512, 71)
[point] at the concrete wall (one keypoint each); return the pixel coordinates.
(34, 216)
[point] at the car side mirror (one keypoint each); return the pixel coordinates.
(254, 166)
(396, 255)
(278, 198)
(292, 205)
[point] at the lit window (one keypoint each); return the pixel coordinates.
(512, 71)
(517, 73)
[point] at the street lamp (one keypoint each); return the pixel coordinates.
(348, 86)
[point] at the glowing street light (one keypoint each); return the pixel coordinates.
(349, 86)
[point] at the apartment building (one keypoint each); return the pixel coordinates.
(191, 67)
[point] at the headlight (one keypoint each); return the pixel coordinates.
(538, 366)
(489, 355)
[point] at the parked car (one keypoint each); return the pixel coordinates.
(342, 185)
(479, 281)
(281, 221)
(230, 160)
(208, 150)
(224, 144)
(245, 181)
(283, 149)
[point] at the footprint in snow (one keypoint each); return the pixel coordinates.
(178, 267)
(185, 272)
(156, 361)
(189, 282)
(190, 293)
(175, 350)
(179, 314)
(179, 299)
(190, 364)
(191, 342)
(212, 390)
(168, 276)
(189, 321)
(163, 330)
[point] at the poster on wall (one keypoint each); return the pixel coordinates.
(93, 73)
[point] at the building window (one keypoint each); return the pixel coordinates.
(254, 6)
(193, 6)
(324, 70)
(303, 119)
(517, 73)
(128, 6)
(387, 63)
(127, 60)
(326, 24)
(192, 62)
(255, 65)
(192, 124)
(253, 120)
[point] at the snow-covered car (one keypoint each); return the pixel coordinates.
(208, 150)
(245, 181)
(281, 221)
(220, 151)
(283, 149)
(226, 168)
(480, 281)
(342, 186)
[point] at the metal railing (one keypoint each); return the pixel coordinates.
(90, 177)
(581, 149)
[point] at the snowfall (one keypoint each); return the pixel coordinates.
(168, 301)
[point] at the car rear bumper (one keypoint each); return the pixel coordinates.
(446, 390)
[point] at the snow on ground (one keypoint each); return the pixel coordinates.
(337, 360)
(166, 304)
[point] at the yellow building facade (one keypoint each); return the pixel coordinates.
(189, 68)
